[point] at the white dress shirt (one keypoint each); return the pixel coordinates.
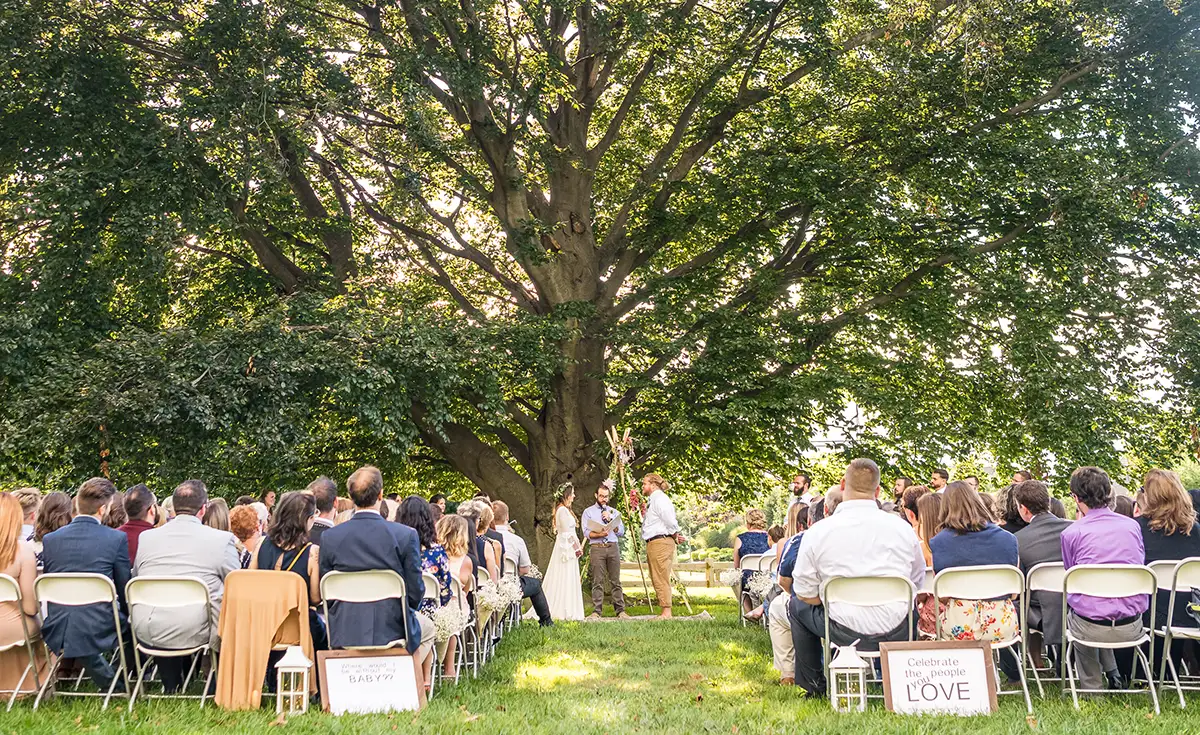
(514, 547)
(660, 516)
(859, 540)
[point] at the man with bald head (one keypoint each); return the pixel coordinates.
(857, 540)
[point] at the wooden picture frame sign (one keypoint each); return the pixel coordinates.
(939, 677)
(388, 680)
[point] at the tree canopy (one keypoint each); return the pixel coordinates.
(266, 239)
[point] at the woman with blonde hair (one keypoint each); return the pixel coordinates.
(971, 538)
(752, 541)
(18, 561)
(1169, 531)
(216, 514)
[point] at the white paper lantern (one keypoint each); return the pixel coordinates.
(291, 684)
(848, 670)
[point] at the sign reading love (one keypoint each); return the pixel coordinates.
(939, 677)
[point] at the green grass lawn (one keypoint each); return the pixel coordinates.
(647, 677)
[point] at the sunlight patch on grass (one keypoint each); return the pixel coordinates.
(561, 668)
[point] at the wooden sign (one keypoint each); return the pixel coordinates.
(370, 681)
(939, 677)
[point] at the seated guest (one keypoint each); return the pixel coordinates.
(440, 501)
(858, 540)
(86, 632)
(1169, 532)
(456, 537)
(753, 541)
(414, 512)
(366, 542)
(286, 548)
(140, 507)
(516, 549)
(775, 536)
(324, 493)
(989, 502)
(929, 524)
(1040, 542)
(243, 500)
(216, 515)
(909, 503)
(1123, 506)
(243, 524)
(779, 626)
(1058, 510)
(17, 560)
(482, 553)
(1101, 537)
(53, 514)
(969, 539)
(487, 517)
(30, 499)
(1006, 504)
(116, 513)
(184, 547)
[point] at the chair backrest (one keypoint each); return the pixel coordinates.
(979, 582)
(432, 588)
(75, 588)
(868, 590)
(750, 561)
(483, 574)
(1046, 577)
(1110, 580)
(1164, 572)
(166, 591)
(10, 591)
(771, 563)
(510, 566)
(369, 586)
(1183, 575)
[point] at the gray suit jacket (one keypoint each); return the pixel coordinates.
(183, 547)
(1038, 543)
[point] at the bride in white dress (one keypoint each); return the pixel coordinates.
(562, 585)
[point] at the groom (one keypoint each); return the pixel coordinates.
(604, 560)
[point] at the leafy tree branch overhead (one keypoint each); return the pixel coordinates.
(262, 238)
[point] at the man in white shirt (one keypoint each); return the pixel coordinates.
(858, 540)
(515, 549)
(661, 533)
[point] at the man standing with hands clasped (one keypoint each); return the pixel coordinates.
(603, 528)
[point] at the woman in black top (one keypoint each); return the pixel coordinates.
(287, 548)
(1169, 532)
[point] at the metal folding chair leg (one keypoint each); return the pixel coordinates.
(54, 666)
(1149, 676)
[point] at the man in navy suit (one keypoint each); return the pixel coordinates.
(86, 632)
(369, 542)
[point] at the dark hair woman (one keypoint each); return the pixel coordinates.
(54, 513)
(287, 548)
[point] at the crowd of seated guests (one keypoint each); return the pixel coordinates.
(126, 535)
(928, 531)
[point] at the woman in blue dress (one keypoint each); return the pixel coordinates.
(753, 540)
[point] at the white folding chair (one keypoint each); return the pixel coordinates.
(864, 591)
(75, 589)
(514, 615)
(1045, 577)
(987, 582)
(1184, 576)
(748, 563)
(10, 591)
(1110, 581)
(433, 593)
(483, 625)
(459, 597)
(171, 593)
(370, 586)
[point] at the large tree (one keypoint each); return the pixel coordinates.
(276, 237)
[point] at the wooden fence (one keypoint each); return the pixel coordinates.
(691, 573)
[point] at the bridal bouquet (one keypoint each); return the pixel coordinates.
(448, 621)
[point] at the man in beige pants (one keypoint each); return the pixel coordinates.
(661, 532)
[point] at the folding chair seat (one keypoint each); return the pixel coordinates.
(169, 593)
(75, 589)
(988, 582)
(1110, 581)
(748, 563)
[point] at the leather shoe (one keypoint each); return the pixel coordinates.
(1116, 680)
(787, 681)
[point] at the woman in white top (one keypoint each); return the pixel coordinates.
(562, 585)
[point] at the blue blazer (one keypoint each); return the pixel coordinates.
(367, 542)
(84, 545)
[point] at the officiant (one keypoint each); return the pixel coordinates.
(603, 528)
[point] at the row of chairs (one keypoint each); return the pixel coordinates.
(768, 562)
(999, 581)
(169, 592)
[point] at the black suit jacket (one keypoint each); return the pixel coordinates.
(1038, 543)
(315, 533)
(368, 542)
(84, 545)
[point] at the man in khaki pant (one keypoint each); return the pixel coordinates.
(661, 532)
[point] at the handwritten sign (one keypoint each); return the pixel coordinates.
(370, 681)
(939, 677)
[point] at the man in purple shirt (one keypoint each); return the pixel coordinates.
(1101, 536)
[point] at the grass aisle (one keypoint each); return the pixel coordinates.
(644, 677)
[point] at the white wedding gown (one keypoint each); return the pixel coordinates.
(561, 583)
